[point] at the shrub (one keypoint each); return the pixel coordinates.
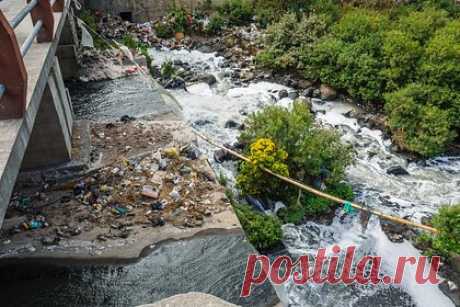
(447, 221)
(252, 180)
(441, 61)
(238, 12)
(167, 70)
(130, 41)
(314, 154)
(286, 39)
(416, 120)
(421, 25)
(401, 55)
(164, 30)
(447, 242)
(177, 18)
(264, 232)
(215, 25)
(350, 56)
(310, 149)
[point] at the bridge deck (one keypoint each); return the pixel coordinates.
(15, 134)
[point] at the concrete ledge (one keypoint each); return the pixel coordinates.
(192, 299)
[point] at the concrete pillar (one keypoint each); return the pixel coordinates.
(66, 51)
(50, 141)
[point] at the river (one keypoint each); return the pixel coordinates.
(429, 185)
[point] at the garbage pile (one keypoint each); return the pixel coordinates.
(166, 185)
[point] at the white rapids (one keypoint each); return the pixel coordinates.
(429, 184)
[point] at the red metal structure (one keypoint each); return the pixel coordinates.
(13, 73)
(13, 76)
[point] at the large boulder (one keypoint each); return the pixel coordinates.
(327, 92)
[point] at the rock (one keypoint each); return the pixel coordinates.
(232, 124)
(202, 122)
(308, 92)
(247, 76)
(304, 84)
(221, 155)
(209, 79)
(397, 171)
(176, 83)
(327, 92)
(283, 94)
(293, 95)
(316, 93)
(48, 241)
(126, 119)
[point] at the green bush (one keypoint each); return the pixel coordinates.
(441, 62)
(377, 56)
(237, 12)
(130, 41)
(167, 70)
(421, 25)
(287, 39)
(164, 30)
(417, 122)
(252, 180)
(313, 154)
(447, 242)
(310, 149)
(264, 232)
(215, 25)
(177, 17)
(401, 55)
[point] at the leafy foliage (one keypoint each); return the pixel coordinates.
(215, 25)
(164, 30)
(447, 242)
(406, 57)
(237, 12)
(417, 118)
(264, 232)
(252, 180)
(314, 154)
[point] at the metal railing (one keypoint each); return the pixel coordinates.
(41, 12)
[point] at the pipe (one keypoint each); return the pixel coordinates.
(23, 13)
(30, 39)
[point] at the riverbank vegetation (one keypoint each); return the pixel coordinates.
(446, 243)
(402, 60)
(287, 142)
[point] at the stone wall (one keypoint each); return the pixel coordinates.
(141, 10)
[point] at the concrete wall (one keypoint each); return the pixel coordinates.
(142, 10)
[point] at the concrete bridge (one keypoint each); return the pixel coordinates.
(37, 44)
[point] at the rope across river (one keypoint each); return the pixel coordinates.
(319, 193)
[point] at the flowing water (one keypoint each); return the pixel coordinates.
(430, 184)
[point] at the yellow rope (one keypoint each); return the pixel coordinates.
(319, 193)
